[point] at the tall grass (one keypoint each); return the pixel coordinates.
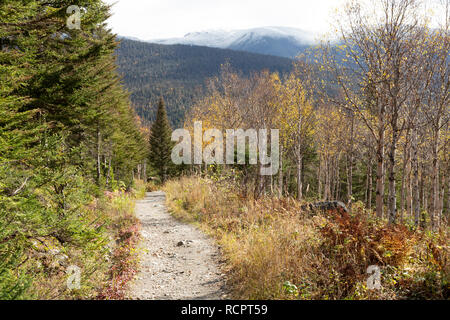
(273, 250)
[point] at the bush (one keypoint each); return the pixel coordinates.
(99, 237)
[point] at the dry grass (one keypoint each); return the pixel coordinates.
(274, 251)
(152, 186)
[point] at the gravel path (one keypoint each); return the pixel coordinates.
(177, 261)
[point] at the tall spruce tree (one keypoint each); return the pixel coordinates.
(161, 144)
(65, 123)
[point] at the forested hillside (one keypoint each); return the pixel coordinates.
(178, 73)
(67, 133)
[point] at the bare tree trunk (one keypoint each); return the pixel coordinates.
(408, 184)
(299, 157)
(109, 171)
(404, 178)
(332, 180)
(366, 193)
(424, 193)
(350, 165)
(441, 201)
(349, 180)
(299, 178)
(434, 212)
(409, 197)
(262, 184)
(337, 179)
(370, 184)
(392, 190)
(139, 171)
(145, 170)
(99, 169)
(319, 178)
(416, 195)
(380, 175)
(448, 197)
(271, 184)
(280, 174)
(327, 189)
(416, 192)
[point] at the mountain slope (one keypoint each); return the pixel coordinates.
(178, 73)
(278, 41)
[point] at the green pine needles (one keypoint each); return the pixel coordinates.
(67, 133)
(161, 144)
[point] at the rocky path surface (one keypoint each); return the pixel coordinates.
(177, 260)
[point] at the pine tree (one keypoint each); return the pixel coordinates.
(65, 123)
(161, 144)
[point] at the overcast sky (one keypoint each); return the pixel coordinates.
(152, 19)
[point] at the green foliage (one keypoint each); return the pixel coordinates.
(66, 133)
(161, 144)
(290, 288)
(179, 73)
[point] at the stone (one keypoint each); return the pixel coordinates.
(184, 243)
(326, 206)
(181, 243)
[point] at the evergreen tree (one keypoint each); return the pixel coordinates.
(65, 126)
(161, 144)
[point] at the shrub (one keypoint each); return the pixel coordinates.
(273, 250)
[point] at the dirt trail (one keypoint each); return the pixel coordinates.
(177, 261)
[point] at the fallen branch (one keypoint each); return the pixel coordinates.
(20, 188)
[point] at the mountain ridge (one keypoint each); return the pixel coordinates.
(277, 41)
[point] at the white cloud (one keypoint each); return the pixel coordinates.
(174, 18)
(150, 19)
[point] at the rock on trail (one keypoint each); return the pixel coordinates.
(177, 261)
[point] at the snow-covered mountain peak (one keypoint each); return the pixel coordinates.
(281, 41)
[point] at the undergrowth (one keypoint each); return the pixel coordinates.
(104, 251)
(273, 250)
(124, 258)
